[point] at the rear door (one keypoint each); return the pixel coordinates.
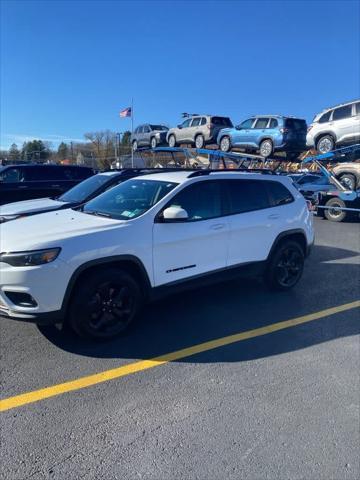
(259, 131)
(146, 135)
(195, 246)
(343, 123)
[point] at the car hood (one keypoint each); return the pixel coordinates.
(51, 229)
(30, 206)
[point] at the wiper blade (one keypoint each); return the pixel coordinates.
(98, 214)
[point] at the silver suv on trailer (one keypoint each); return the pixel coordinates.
(335, 126)
(198, 130)
(148, 135)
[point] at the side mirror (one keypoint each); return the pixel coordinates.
(180, 126)
(173, 214)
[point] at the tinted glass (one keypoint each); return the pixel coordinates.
(295, 124)
(43, 173)
(201, 200)
(196, 122)
(308, 179)
(83, 190)
(325, 118)
(186, 123)
(342, 112)
(129, 199)
(146, 129)
(224, 121)
(273, 123)
(203, 121)
(357, 108)
(279, 194)
(159, 127)
(246, 196)
(261, 122)
(247, 123)
(12, 175)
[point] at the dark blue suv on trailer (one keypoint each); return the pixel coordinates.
(266, 134)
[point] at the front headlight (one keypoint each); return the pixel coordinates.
(27, 259)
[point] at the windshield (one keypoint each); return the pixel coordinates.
(158, 127)
(129, 199)
(83, 190)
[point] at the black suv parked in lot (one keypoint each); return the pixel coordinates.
(25, 182)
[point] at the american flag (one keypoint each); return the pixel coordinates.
(126, 112)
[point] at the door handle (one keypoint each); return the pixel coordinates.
(217, 226)
(274, 216)
(23, 186)
(55, 186)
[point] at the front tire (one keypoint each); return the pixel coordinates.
(285, 266)
(225, 144)
(172, 141)
(333, 214)
(266, 148)
(105, 304)
(325, 144)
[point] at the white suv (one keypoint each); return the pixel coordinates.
(94, 268)
(335, 126)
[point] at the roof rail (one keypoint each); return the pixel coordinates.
(200, 173)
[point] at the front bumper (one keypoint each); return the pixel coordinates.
(43, 318)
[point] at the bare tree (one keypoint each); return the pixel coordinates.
(103, 143)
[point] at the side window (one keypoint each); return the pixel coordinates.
(40, 173)
(246, 196)
(186, 123)
(261, 123)
(273, 123)
(203, 121)
(342, 112)
(247, 123)
(196, 122)
(12, 175)
(326, 117)
(147, 129)
(201, 200)
(137, 130)
(279, 194)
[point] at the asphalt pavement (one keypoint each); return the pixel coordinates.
(279, 403)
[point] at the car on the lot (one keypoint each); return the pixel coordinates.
(75, 197)
(198, 130)
(310, 184)
(24, 182)
(148, 135)
(145, 237)
(334, 127)
(266, 134)
(333, 205)
(348, 173)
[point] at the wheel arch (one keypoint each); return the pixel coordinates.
(323, 134)
(129, 263)
(295, 234)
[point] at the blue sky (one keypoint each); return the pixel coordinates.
(68, 67)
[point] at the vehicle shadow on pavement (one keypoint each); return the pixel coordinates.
(331, 278)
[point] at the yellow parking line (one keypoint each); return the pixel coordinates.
(83, 382)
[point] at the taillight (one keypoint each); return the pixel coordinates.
(310, 206)
(284, 130)
(210, 126)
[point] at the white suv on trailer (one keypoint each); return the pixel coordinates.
(94, 268)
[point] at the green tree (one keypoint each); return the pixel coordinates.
(14, 152)
(36, 150)
(125, 140)
(63, 151)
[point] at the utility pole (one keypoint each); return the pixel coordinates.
(72, 152)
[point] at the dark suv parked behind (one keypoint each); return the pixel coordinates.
(24, 182)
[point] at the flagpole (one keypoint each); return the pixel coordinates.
(132, 131)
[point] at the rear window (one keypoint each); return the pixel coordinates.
(159, 127)
(246, 196)
(295, 124)
(224, 121)
(279, 194)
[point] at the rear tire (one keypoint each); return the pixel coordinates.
(348, 180)
(105, 304)
(266, 148)
(225, 144)
(172, 141)
(285, 266)
(199, 141)
(335, 215)
(153, 143)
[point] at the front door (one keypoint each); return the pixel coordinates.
(243, 133)
(195, 246)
